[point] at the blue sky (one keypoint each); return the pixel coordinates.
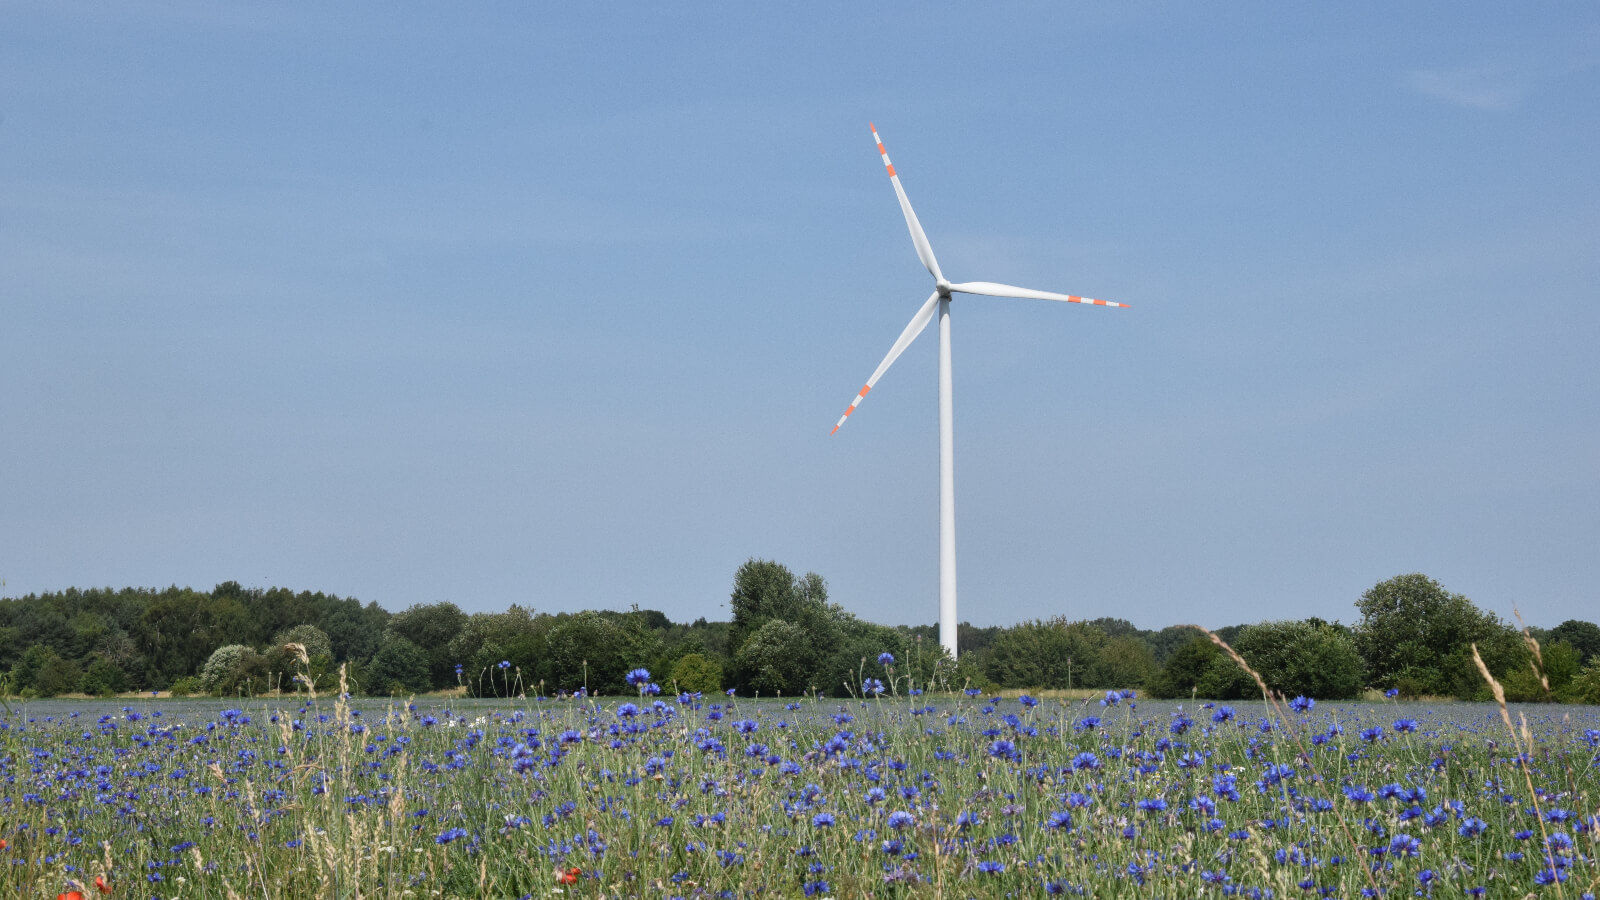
(556, 304)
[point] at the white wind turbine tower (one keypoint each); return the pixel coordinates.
(940, 299)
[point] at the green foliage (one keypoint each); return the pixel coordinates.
(313, 639)
(399, 668)
(1561, 666)
(1197, 668)
(1124, 661)
(102, 640)
(431, 627)
(1304, 658)
(773, 660)
(1417, 636)
(102, 678)
(42, 672)
(186, 686)
(831, 642)
(1584, 637)
(1585, 686)
(1044, 653)
(599, 648)
(222, 664)
(694, 672)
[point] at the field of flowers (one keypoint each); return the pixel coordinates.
(891, 794)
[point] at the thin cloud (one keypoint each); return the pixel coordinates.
(1473, 88)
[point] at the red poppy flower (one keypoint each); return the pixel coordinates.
(101, 885)
(70, 895)
(570, 876)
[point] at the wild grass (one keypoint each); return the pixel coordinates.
(896, 795)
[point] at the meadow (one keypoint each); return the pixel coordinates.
(892, 793)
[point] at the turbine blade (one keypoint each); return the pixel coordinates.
(913, 328)
(918, 238)
(991, 289)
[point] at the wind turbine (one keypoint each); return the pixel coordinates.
(940, 300)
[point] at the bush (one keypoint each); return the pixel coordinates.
(43, 672)
(1185, 669)
(696, 673)
(1585, 688)
(103, 679)
(773, 659)
(186, 686)
(221, 664)
(399, 667)
(1051, 653)
(1304, 658)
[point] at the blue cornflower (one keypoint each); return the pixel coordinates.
(1223, 714)
(1002, 749)
(1392, 693)
(450, 834)
(1062, 819)
(1404, 845)
(1086, 761)
(1153, 804)
(990, 867)
(901, 819)
(638, 677)
(872, 686)
(885, 659)
(1358, 794)
(1111, 698)
(822, 820)
(1372, 734)
(505, 663)
(812, 888)
(1302, 704)
(1405, 724)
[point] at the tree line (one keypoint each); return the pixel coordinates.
(785, 638)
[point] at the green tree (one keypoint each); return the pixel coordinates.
(598, 646)
(43, 672)
(103, 677)
(1304, 658)
(432, 627)
(1040, 653)
(221, 665)
(773, 660)
(1417, 636)
(1583, 636)
(694, 672)
(1186, 667)
(399, 667)
(762, 590)
(1125, 661)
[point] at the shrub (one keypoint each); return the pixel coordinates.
(103, 678)
(696, 673)
(186, 686)
(1304, 658)
(399, 667)
(221, 663)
